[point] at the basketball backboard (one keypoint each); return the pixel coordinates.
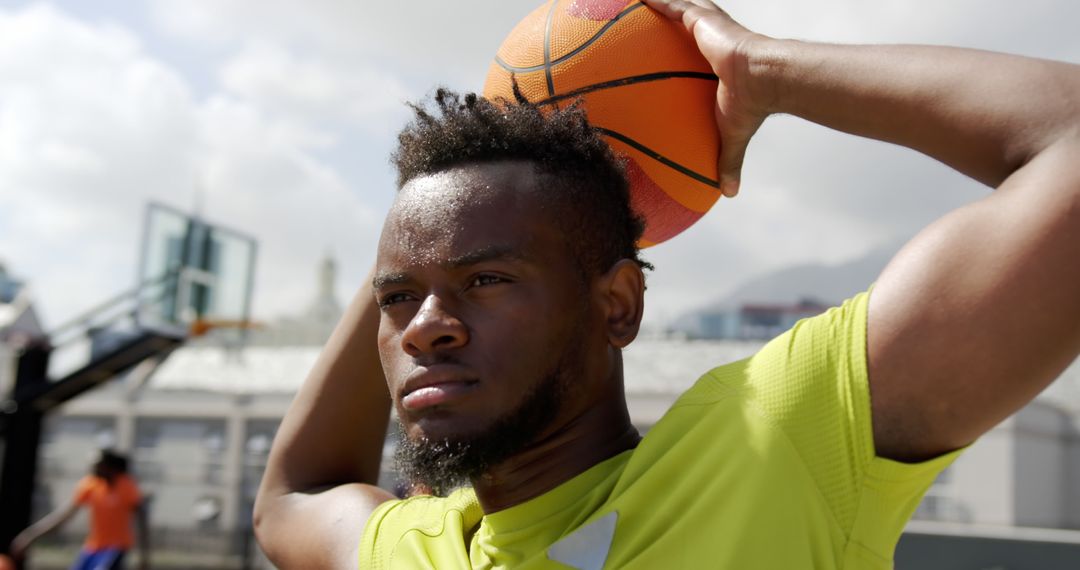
(192, 272)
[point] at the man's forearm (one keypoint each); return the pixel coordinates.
(320, 478)
(47, 524)
(985, 114)
(334, 430)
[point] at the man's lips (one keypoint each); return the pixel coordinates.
(437, 384)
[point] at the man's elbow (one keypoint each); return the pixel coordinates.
(262, 521)
(267, 522)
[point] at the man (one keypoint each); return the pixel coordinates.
(115, 502)
(507, 283)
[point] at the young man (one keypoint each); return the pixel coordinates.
(115, 503)
(507, 283)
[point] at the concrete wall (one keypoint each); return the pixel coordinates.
(978, 486)
(940, 549)
(1025, 472)
(200, 455)
(1072, 475)
(181, 461)
(1040, 466)
(70, 445)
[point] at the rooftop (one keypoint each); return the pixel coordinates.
(653, 367)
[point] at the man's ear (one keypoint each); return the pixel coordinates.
(623, 290)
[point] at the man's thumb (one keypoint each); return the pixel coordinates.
(732, 153)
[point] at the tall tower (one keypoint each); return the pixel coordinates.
(326, 309)
(327, 276)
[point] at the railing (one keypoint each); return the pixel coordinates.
(161, 304)
(126, 305)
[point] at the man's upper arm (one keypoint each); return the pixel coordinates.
(979, 313)
(318, 529)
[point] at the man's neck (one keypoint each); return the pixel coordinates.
(597, 434)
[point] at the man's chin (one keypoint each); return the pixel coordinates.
(454, 429)
(440, 461)
(448, 448)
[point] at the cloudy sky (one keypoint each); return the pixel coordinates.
(276, 118)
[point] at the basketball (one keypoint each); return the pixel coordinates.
(644, 85)
(6, 563)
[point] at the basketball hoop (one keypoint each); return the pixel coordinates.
(200, 327)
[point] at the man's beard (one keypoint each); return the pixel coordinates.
(440, 466)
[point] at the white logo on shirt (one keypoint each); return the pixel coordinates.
(587, 547)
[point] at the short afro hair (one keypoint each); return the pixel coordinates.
(589, 186)
(112, 460)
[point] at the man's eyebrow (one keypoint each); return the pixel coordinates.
(489, 253)
(384, 279)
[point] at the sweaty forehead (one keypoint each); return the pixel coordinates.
(461, 209)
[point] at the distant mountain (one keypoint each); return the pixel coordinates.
(827, 284)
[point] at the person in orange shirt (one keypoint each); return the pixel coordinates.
(115, 502)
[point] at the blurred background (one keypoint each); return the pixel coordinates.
(223, 164)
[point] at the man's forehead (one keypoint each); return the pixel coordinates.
(463, 214)
(457, 189)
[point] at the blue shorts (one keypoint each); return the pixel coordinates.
(104, 559)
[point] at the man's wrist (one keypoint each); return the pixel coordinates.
(765, 61)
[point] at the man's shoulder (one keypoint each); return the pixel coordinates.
(808, 385)
(825, 347)
(425, 512)
(422, 527)
(88, 483)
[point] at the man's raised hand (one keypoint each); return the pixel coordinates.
(741, 106)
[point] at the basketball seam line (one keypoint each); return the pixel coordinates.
(547, 65)
(547, 48)
(632, 80)
(659, 157)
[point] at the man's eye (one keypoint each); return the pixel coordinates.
(481, 280)
(392, 299)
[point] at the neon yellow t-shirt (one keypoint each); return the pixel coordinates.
(764, 463)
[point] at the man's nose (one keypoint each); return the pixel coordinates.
(433, 328)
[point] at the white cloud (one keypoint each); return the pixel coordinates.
(319, 90)
(261, 181)
(92, 127)
(434, 42)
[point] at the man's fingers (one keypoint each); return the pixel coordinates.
(662, 6)
(680, 10)
(734, 139)
(717, 35)
(736, 130)
(685, 10)
(731, 162)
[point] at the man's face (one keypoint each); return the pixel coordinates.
(104, 471)
(485, 316)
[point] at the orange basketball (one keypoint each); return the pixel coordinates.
(642, 82)
(6, 563)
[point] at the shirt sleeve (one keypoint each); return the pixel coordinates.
(83, 488)
(812, 382)
(420, 532)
